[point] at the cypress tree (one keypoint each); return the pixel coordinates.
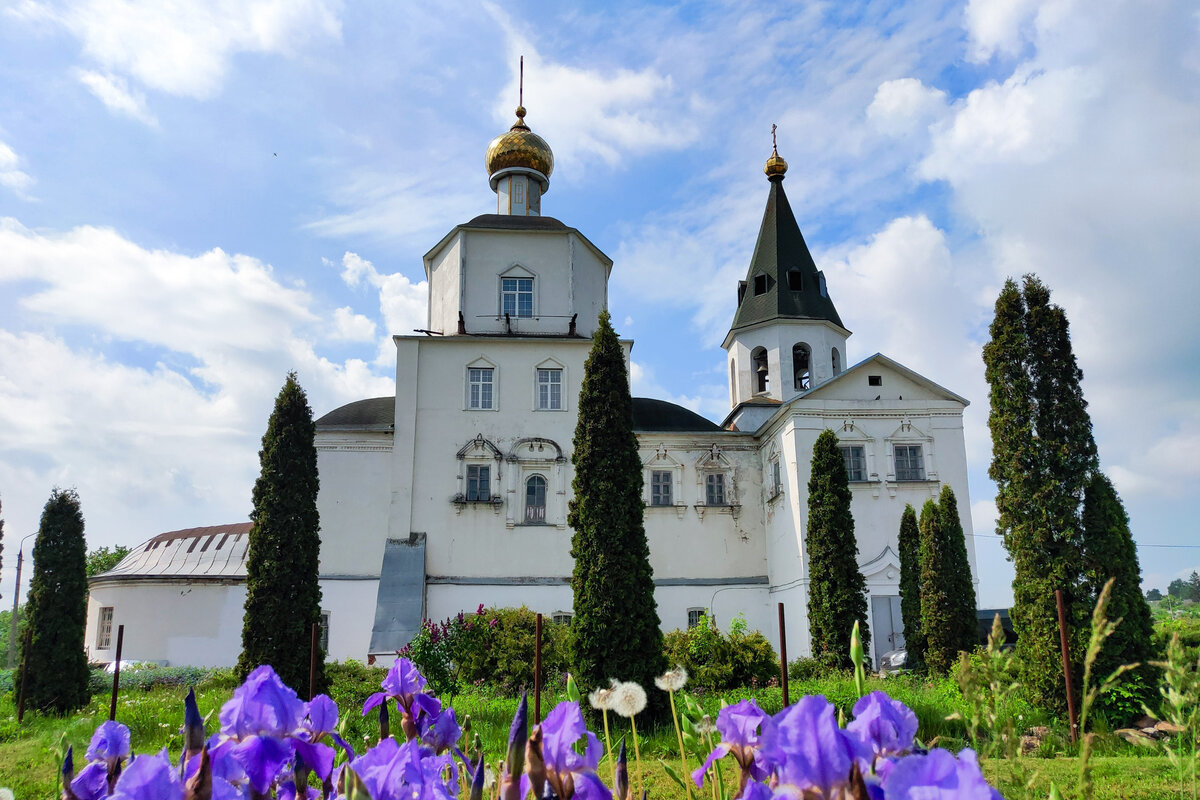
(54, 666)
(945, 565)
(910, 587)
(283, 597)
(1110, 553)
(616, 629)
(837, 591)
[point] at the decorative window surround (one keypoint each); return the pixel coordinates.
(479, 452)
(535, 455)
(908, 435)
(662, 461)
(482, 386)
(715, 463)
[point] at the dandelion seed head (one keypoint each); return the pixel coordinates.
(672, 680)
(706, 725)
(628, 699)
(601, 699)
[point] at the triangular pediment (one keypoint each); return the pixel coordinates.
(881, 378)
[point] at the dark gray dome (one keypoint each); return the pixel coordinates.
(659, 415)
(375, 412)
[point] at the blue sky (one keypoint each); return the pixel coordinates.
(197, 197)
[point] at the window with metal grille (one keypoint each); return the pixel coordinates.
(776, 478)
(910, 466)
(535, 499)
(549, 389)
(323, 632)
(104, 628)
(714, 489)
(516, 297)
(856, 461)
(561, 618)
(479, 387)
(479, 482)
(694, 617)
(660, 488)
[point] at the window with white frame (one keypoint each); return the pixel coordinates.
(516, 297)
(549, 390)
(695, 615)
(479, 483)
(855, 456)
(323, 632)
(660, 487)
(480, 383)
(104, 628)
(776, 487)
(714, 489)
(561, 617)
(910, 463)
(535, 499)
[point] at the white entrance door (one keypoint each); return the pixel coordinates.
(887, 626)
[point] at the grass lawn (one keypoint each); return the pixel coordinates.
(28, 753)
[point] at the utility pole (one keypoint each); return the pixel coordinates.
(12, 634)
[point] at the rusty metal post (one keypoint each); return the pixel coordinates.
(783, 676)
(1066, 662)
(24, 675)
(312, 660)
(112, 707)
(537, 670)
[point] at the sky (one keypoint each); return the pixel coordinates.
(197, 196)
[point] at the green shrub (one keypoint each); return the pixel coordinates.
(144, 677)
(718, 662)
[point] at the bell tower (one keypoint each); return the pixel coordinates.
(786, 335)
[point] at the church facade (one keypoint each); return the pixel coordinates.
(454, 491)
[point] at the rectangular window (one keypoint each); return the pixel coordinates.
(714, 489)
(323, 632)
(104, 629)
(776, 478)
(479, 388)
(909, 464)
(549, 388)
(694, 617)
(479, 482)
(516, 297)
(561, 618)
(856, 461)
(660, 487)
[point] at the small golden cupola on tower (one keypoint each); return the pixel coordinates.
(776, 167)
(519, 164)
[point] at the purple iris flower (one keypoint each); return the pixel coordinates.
(321, 720)
(405, 683)
(392, 771)
(807, 749)
(110, 743)
(149, 778)
(938, 775)
(91, 783)
(738, 725)
(882, 726)
(569, 773)
(262, 717)
(439, 731)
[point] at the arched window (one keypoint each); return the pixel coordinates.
(837, 362)
(535, 499)
(802, 366)
(761, 375)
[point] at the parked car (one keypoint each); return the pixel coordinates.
(894, 661)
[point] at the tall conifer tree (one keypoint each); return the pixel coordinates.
(947, 591)
(1111, 553)
(54, 667)
(283, 597)
(837, 591)
(910, 587)
(1043, 454)
(616, 627)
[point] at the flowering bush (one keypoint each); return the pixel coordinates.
(270, 743)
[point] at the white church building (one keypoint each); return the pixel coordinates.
(454, 491)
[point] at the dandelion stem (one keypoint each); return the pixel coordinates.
(682, 756)
(637, 754)
(607, 741)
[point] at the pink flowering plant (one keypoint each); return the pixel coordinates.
(271, 744)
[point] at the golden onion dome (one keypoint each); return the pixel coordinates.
(775, 165)
(520, 147)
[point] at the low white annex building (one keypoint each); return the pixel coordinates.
(454, 491)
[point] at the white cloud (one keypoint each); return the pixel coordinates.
(903, 105)
(185, 47)
(404, 304)
(351, 327)
(10, 176)
(115, 93)
(712, 401)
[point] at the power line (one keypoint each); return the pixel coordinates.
(1139, 544)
